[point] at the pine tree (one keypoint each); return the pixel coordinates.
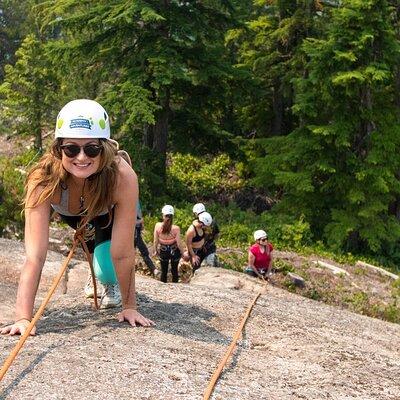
(270, 48)
(150, 58)
(340, 167)
(29, 90)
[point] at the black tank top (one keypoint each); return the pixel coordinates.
(197, 238)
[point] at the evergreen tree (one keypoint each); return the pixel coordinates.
(17, 20)
(270, 48)
(151, 59)
(11, 31)
(29, 91)
(340, 167)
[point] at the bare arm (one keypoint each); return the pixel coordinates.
(36, 242)
(178, 240)
(252, 258)
(155, 238)
(122, 244)
(189, 237)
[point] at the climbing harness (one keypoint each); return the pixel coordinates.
(218, 370)
(78, 238)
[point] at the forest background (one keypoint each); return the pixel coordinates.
(282, 115)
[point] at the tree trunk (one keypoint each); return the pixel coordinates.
(277, 106)
(37, 130)
(156, 136)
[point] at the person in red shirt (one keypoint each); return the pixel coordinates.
(260, 256)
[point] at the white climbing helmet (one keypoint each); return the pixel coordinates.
(205, 218)
(260, 234)
(83, 119)
(167, 210)
(199, 208)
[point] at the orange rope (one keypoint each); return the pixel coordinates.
(90, 261)
(231, 347)
(77, 238)
(38, 314)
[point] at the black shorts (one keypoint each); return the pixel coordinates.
(169, 252)
(97, 230)
(202, 254)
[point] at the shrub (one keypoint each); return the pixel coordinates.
(190, 177)
(12, 179)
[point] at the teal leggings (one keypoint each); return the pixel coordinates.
(103, 265)
(99, 246)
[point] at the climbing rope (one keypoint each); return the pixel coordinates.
(77, 239)
(218, 370)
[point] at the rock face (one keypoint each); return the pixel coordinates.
(292, 348)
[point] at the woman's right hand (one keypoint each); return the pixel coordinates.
(18, 328)
(195, 260)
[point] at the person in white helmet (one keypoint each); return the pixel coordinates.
(167, 244)
(260, 256)
(195, 239)
(84, 180)
(211, 235)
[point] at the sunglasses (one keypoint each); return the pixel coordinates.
(263, 239)
(72, 150)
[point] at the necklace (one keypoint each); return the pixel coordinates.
(82, 198)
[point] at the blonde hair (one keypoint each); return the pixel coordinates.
(50, 175)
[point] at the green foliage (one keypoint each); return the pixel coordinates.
(396, 289)
(148, 60)
(339, 168)
(308, 90)
(190, 177)
(296, 235)
(390, 312)
(15, 23)
(12, 179)
(268, 45)
(314, 295)
(283, 267)
(28, 91)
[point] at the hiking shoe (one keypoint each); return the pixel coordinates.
(111, 296)
(156, 273)
(89, 289)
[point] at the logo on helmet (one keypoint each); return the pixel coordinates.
(80, 123)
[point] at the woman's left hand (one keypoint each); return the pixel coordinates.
(133, 317)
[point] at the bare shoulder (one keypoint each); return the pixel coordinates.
(127, 181)
(175, 228)
(34, 194)
(125, 172)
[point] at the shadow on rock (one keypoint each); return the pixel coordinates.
(63, 320)
(39, 358)
(186, 320)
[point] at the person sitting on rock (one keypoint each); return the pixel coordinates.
(195, 239)
(211, 235)
(260, 256)
(167, 244)
(95, 191)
